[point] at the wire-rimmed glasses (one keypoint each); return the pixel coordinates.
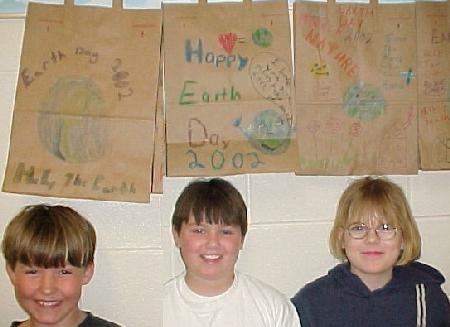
(384, 232)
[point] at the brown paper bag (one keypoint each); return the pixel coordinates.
(159, 156)
(228, 85)
(433, 42)
(355, 88)
(85, 103)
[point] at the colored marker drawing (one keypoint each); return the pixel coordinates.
(69, 123)
(393, 147)
(408, 76)
(319, 69)
(363, 102)
(271, 77)
(227, 41)
(262, 37)
(313, 127)
(269, 132)
(441, 149)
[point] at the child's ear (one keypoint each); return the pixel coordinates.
(176, 237)
(11, 273)
(87, 274)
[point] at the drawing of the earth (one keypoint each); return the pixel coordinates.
(269, 132)
(262, 37)
(363, 102)
(69, 122)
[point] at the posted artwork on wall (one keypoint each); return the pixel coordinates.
(433, 42)
(159, 153)
(356, 88)
(229, 88)
(84, 116)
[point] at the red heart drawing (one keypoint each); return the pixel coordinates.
(227, 41)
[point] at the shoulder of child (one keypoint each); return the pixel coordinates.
(174, 279)
(93, 321)
(259, 289)
(418, 272)
(322, 283)
(269, 299)
(172, 284)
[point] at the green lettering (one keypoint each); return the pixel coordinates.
(185, 93)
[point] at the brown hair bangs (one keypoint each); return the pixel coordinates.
(213, 201)
(376, 197)
(49, 236)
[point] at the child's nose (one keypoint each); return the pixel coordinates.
(372, 236)
(47, 283)
(213, 238)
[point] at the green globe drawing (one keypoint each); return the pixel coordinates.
(70, 124)
(363, 102)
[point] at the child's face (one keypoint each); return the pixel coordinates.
(209, 252)
(372, 257)
(50, 295)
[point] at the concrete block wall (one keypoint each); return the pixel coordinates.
(286, 244)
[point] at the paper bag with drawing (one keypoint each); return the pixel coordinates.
(433, 43)
(85, 103)
(159, 154)
(355, 88)
(228, 84)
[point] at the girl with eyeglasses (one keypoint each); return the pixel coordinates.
(379, 282)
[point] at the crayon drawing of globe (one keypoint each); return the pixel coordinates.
(269, 132)
(363, 102)
(70, 124)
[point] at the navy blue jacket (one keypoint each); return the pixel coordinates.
(341, 299)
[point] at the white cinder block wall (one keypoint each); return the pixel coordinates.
(286, 244)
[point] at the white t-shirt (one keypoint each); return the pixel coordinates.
(247, 303)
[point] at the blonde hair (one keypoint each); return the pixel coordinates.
(376, 195)
(49, 236)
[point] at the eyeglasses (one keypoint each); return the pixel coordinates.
(385, 232)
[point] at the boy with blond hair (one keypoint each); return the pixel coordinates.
(49, 253)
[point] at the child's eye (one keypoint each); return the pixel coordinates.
(31, 271)
(358, 227)
(385, 227)
(198, 230)
(227, 231)
(65, 272)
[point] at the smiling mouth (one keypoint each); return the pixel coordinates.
(211, 256)
(48, 304)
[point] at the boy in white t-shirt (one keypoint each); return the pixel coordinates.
(209, 226)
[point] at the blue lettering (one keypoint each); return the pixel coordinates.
(189, 51)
